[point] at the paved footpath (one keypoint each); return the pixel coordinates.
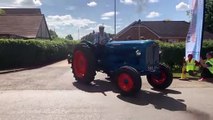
(51, 93)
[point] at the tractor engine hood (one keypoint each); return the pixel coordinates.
(135, 43)
(140, 54)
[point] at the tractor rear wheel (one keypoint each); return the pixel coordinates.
(128, 81)
(83, 64)
(163, 80)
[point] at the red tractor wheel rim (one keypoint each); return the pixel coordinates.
(125, 82)
(159, 80)
(79, 64)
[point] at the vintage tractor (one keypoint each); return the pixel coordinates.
(124, 61)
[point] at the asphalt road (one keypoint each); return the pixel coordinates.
(51, 93)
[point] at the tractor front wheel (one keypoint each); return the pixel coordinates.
(163, 80)
(128, 81)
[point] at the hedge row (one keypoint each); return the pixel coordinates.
(172, 54)
(22, 53)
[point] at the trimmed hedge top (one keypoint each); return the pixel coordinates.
(173, 54)
(21, 53)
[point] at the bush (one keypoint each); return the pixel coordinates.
(25, 53)
(172, 54)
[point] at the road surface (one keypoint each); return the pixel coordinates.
(51, 93)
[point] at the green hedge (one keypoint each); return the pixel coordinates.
(173, 53)
(22, 53)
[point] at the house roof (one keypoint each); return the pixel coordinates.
(165, 29)
(22, 22)
(22, 11)
(24, 26)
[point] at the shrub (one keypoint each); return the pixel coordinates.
(24, 53)
(172, 54)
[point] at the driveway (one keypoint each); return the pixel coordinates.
(51, 93)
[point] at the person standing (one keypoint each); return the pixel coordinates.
(207, 65)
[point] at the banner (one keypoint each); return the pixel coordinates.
(195, 33)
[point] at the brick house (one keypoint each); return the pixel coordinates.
(27, 23)
(168, 31)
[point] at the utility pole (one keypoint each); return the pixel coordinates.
(115, 11)
(78, 34)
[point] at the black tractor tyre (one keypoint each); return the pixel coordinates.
(162, 81)
(83, 64)
(127, 80)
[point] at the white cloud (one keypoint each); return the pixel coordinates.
(108, 28)
(37, 2)
(71, 8)
(108, 15)
(182, 6)
(66, 24)
(128, 2)
(28, 2)
(153, 1)
(92, 4)
(119, 19)
(140, 4)
(105, 18)
(68, 20)
(20, 3)
(153, 14)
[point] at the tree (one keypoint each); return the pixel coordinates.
(112, 36)
(53, 34)
(69, 37)
(2, 12)
(91, 36)
(209, 16)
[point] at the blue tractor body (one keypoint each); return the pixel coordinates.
(143, 55)
(124, 62)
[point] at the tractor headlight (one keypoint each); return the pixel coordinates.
(138, 52)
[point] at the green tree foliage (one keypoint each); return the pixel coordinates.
(91, 36)
(209, 16)
(69, 37)
(111, 35)
(2, 12)
(53, 34)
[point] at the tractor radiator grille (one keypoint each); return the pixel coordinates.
(152, 56)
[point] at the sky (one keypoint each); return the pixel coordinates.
(80, 17)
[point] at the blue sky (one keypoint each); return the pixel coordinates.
(71, 16)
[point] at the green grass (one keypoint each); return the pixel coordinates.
(178, 75)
